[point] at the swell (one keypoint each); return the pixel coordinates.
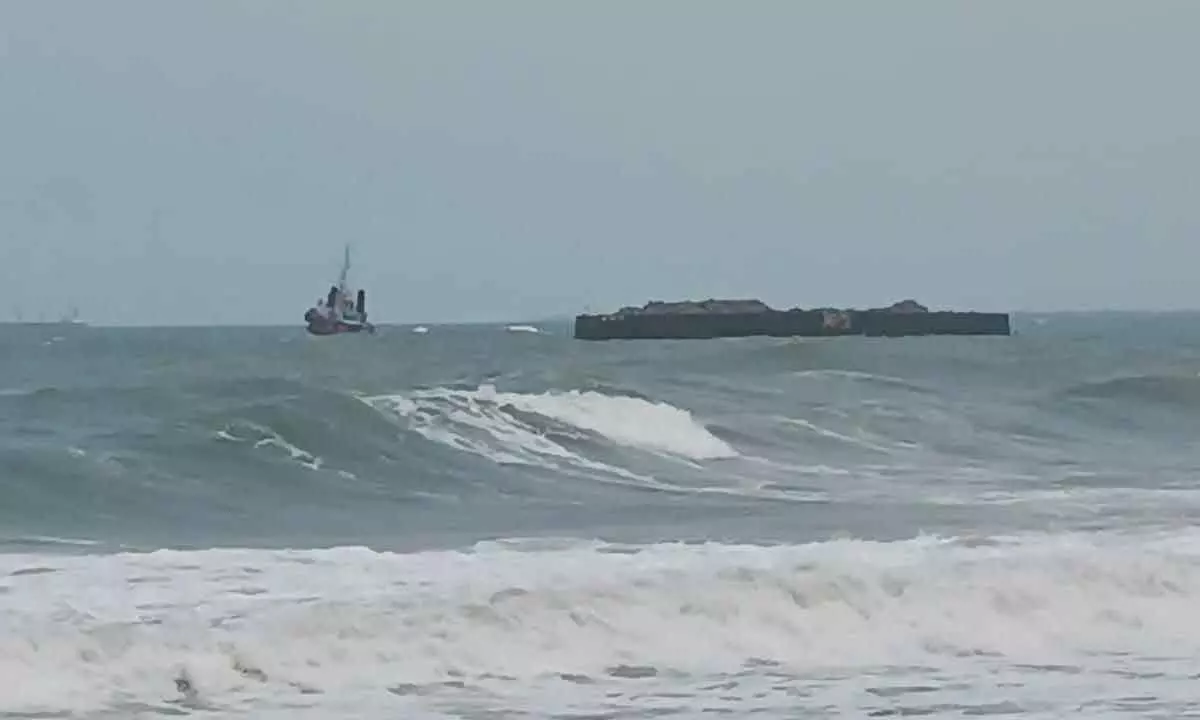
(278, 422)
(276, 448)
(227, 454)
(1178, 390)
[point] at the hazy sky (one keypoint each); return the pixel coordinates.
(203, 162)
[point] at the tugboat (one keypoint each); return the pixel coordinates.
(337, 313)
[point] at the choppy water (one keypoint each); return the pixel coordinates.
(481, 523)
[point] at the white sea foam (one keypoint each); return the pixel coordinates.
(584, 626)
(265, 437)
(834, 435)
(443, 415)
(629, 421)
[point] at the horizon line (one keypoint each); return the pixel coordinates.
(554, 319)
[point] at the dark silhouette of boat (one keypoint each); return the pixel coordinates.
(337, 313)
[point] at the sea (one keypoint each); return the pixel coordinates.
(490, 521)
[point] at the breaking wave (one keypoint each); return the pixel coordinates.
(521, 427)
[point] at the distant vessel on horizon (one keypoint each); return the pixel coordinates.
(337, 313)
(70, 318)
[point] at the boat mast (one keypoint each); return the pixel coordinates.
(345, 270)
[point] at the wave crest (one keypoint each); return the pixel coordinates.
(529, 428)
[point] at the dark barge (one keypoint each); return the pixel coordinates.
(709, 319)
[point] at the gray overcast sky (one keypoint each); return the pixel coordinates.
(202, 162)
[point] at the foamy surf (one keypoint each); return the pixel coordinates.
(733, 627)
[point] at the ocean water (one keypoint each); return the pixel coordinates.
(481, 523)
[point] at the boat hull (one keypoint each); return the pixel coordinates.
(339, 329)
(318, 325)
